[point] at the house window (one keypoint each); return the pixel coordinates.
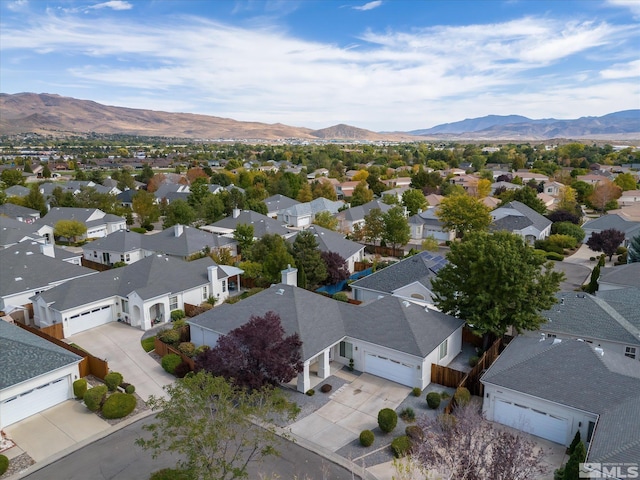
(346, 350)
(442, 350)
(122, 258)
(173, 303)
(224, 285)
(205, 292)
(630, 352)
(125, 305)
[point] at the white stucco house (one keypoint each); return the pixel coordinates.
(427, 224)
(518, 218)
(99, 224)
(302, 214)
(44, 378)
(391, 338)
(142, 294)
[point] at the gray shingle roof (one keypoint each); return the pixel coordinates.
(622, 275)
(611, 220)
(625, 301)
(278, 202)
(572, 373)
(428, 217)
(330, 241)
(120, 241)
(358, 213)
(17, 191)
(13, 231)
(191, 240)
(262, 224)
(412, 269)
(317, 205)
(12, 210)
(25, 355)
(67, 213)
(322, 321)
(516, 209)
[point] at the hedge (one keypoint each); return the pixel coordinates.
(366, 438)
(387, 420)
(170, 362)
(118, 405)
(80, 388)
(177, 315)
(94, 397)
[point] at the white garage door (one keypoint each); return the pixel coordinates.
(91, 318)
(390, 369)
(531, 421)
(29, 403)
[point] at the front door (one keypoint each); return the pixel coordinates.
(106, 259)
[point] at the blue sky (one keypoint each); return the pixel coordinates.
(382, 65)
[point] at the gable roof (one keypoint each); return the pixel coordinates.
(573, 373)
(317, 205)
(25, 355)
(428, 217)
(612, 220)
(279, 202)
(13, 231)
(623, 275)
(262, 224)
(358, 213)
(513, 213)
(12, 210)
(322, 322)
(17, 191)
(417, 268)
(330, 241)
(182, 241)
(625, 301)
(120, 241)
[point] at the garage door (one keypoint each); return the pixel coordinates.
(531, 421)
(29, 403)
(390, 369)
(89, 319)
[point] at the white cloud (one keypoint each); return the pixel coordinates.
(624, 70)
(17, 5)
(633, 5)
(114, 4)
(368, 6)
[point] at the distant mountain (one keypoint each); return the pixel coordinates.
(472, 124)
(347, 132)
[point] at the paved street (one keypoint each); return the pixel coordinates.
(116, 457)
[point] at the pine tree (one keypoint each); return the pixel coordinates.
(633, 253)
(574, 442)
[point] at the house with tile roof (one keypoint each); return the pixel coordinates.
(553, 388)
(518, 218)
(391, 337)
(142, 294)
(330, 241)
(35, 374)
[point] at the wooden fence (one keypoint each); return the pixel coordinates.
(469, 337)
(55, 331)
(446, 376)
(360, 266)
(100, 267)
(163, 349)
(89, 365)
(385, 251)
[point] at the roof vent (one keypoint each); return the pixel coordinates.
(18, 279)
(600, 351)
(29, 253)
(542, 337)
(280, 291)
(406, 303)
(562, 301)
(556, 341)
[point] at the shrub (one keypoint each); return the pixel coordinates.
(568, 228)
(182, 369)
(326, 388)
(188, 348)
(366, 438)
(340, 296)
(170, 337)
(170, 474)
(130, 389)
(621, 250)
(177, 315)
(563, 241)
(311, 392)
(414, 432)
(400, 446)
(444, 395)
(407, 414)
(148, 344)
(4, 464)
(387, 420)
(118, 405)
(462, 396)
(473, 361)
(200, 349)
(416, 391)
(574, 443)
(558, 257)
(80, 388)
(170, 362)
(94, 397)
(138, 229)
(179, 323)
(433, 400)
(148, 227)
(113, 380)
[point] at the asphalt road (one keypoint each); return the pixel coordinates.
(116, 457)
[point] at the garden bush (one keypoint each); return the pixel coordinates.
(558, 257)
(433, 400)
(138, 229)
(462, 396)
(177, 315)
(366, 438)
(473, 361)
(170, 362)
(414, 432)
(400, 446)
(178, 324)
(94, 397)
(387, 420)
(621, 250)
(311, 392)
(113, 380)
(188, 348)
(200, 349)
(407, 414)
(568, 228)
(148, 227)
(118, 405)
(340, 296)
(563, 241)
(326, 388)
(170, 337)
(4, 464)
(444, 395)
(416, 391)
(182, 369)
(80, 388)
(130, 389)
(170, 474)
(148, 343)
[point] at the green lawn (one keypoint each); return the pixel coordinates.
(148, 343)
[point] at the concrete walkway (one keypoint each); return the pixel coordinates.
(119, 344)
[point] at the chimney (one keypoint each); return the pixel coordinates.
(236, 212)
(47, 249)
(290, 276)
(212, 273)
(178, 229)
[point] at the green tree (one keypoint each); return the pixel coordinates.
(625, 181)
(326, 220)
(146, 174)
(633, 253)
(572, 469)
(35, 199)
(27, 166)
(525, 195)
(69, 229)
(463, 214)
(361, 194)
(373, 226)
(494, 281)
(211, 425)
(430, 244)
(145, 207)
(272, 252)
(244, 236)
(307, 255)
(46, 171)
(179, 212)
(396, 228)
(198, 191)
(11, 177)
(414, 200)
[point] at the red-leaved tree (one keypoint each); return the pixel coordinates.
(337, 269)
(256, 354)
(606, 241)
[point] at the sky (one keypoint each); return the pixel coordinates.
(383, 65)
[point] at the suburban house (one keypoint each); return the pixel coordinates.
(302, 214)
(14, 231)
(427, 224)
(630, 197)
(346, 189)
(526, 176)
(29, 268)
(397, 182)
(142, 294)
(622, 276)
(553, 388)
(34, 374)
(353, 216)
(504, 185)
(391, 338)
(330, 241)
(612, 221)
(19, 191)
(516, 217)
(99, 224)
(278, 202)
(178, 241)
(408, 279)
(262, 225)
(18, 212)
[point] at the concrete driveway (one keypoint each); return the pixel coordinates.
(119, 344)
(352, 408)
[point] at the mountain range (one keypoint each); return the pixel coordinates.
(57, 115)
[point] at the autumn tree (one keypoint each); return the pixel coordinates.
(361, 194)
(256, 354)
(568, 200)
(480, 188)
(70, 229)
(196, 172)
(307, 255)
(212, 427)
(155, 181)
(222, 256)
(414, 201)
(396, 228)
(604, 195)
(336, 266)
(606, 241)
(326, 220)
(463, 214)
(145, 207)
(304, 194)
(496, 281)
(324, 188)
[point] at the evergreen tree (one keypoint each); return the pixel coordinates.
(633, 253)
(307, 255)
